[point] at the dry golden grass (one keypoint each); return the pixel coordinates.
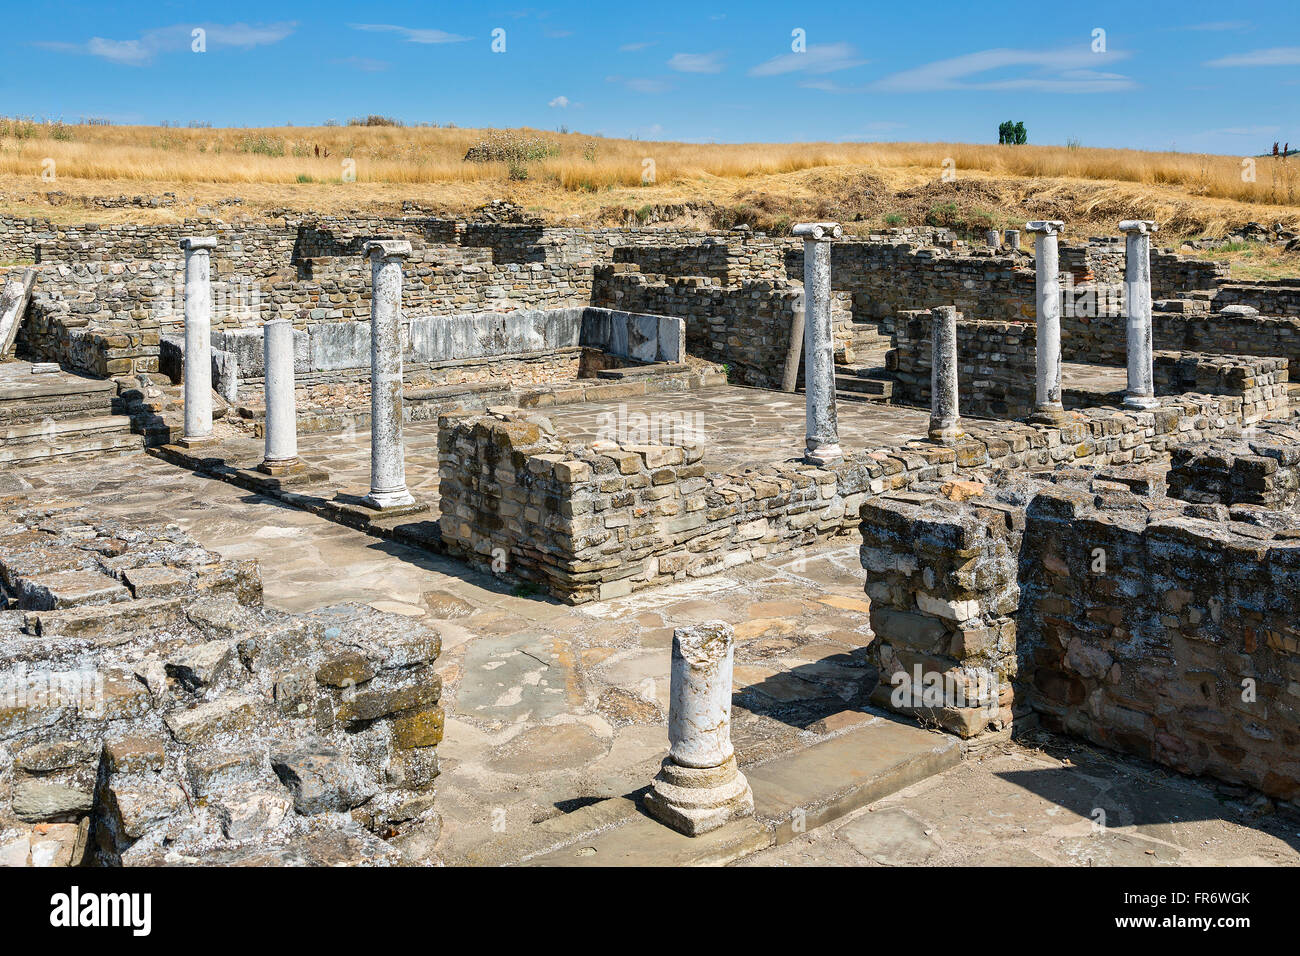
(594, 179)
(583, 163)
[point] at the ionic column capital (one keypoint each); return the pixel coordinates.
(1140, 226)
(818, 231)
(198, 243)
(1047, 227)
(387, 248)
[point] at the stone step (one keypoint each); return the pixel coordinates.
(793, 793)
(857, 385)
(28, 397)
(33, 443)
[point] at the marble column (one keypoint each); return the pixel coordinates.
(281, 415)
(823, 443)
(1141, 391)
(992, 239)
(1047, 302)
(699, 787)
(945, 422)
(198, 340)
(387, 455)
(1013, 239)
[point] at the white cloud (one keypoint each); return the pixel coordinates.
(560, 101)
(1041, 71)
(696, 62)
(819, 58)
(631, 47)
(1274, 56)
(411, 34)
(141, 51)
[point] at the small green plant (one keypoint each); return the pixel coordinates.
(504, 146)
(518, 172)
(304, 178)
(894, 219)
(260, 144)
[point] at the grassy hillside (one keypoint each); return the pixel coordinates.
(574, 177)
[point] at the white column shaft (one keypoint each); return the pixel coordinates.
(198, 343)
(281, 414)
(1137, 308)
(387, 455)
(1048, 303)
(699, 710)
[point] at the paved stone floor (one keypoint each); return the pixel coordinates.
(1093, 378)
(1066, 804)
(739, 426)
(551, 707)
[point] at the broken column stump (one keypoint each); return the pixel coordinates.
(699, 787)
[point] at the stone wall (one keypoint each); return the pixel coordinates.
(1278, 297)
(1164, 634)
(943, 583)
(745, 326)
(1136, 621)
(996, 369)
(1263, 472)
(152, 711)
(885, 277)
(589, 521)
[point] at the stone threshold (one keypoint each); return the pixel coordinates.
(793, 793)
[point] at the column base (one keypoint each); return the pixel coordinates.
(816, 454)
(1049, 415)
(1141, 402)
(281, 466)
(694, 801)
(946, 434)
(187, 441)
(384, 500)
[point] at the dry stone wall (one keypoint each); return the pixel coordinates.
(1181, 647)
(591, 521)
(1111, 612)
(153, 711)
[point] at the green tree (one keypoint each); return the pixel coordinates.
(1021, 137)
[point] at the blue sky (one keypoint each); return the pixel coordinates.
(1211, 77)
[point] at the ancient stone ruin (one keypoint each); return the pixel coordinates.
(1073, 475)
